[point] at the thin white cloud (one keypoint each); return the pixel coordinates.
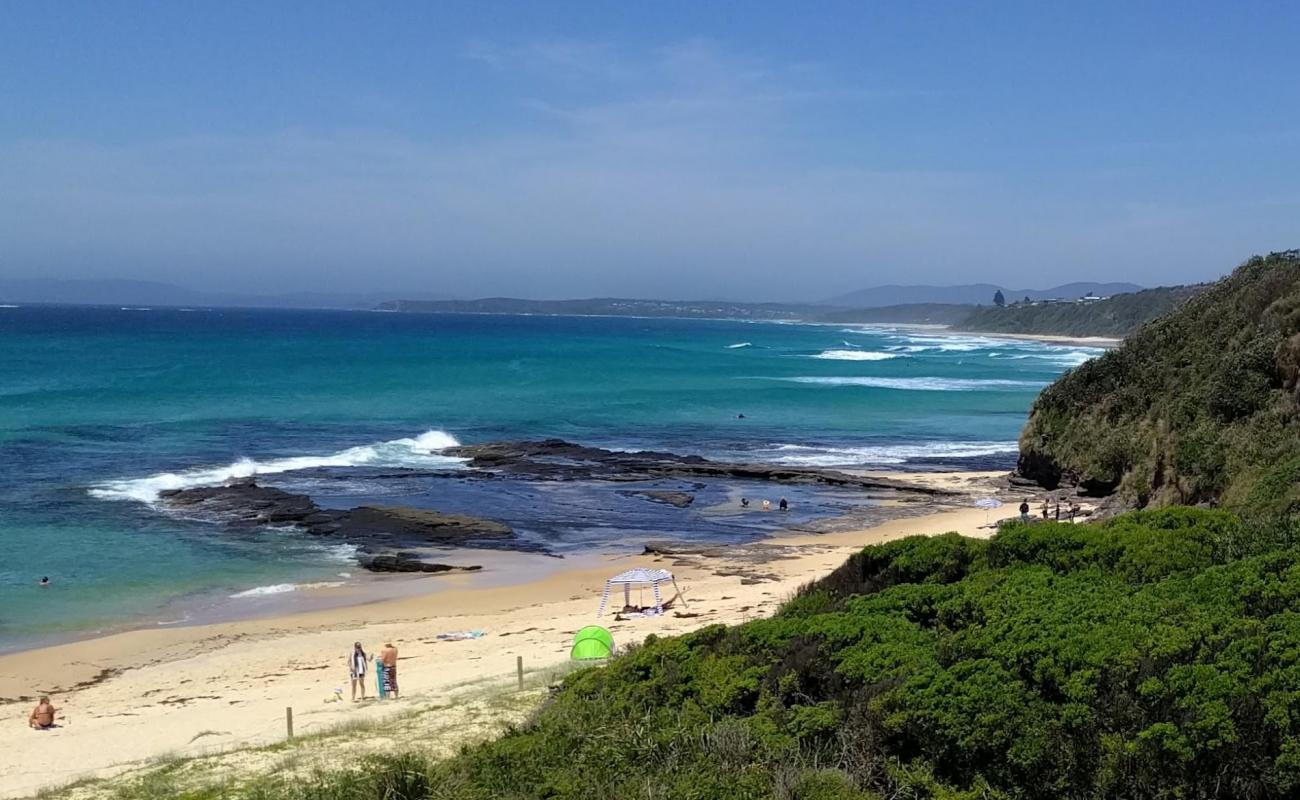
(687, 171)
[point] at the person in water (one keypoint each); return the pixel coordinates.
(388, 657)
(767, 505)
(744, 502)
(357, 661)
(783, 505)
(45, 581)
(42, 717)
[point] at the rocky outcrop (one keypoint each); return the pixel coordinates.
(406, 562)
(244, 503)
(411, 524)
(556, 459)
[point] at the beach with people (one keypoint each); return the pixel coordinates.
(217, 568)
(189, 691)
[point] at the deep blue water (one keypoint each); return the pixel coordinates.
(100, 408)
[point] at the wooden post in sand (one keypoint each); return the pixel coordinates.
(519, 665)
(288, 720)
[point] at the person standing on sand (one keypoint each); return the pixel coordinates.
(42, 718)
(357, 660)
(1024, 511)
(1058, 510)
(388, 657)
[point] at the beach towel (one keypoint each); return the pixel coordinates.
(390, 679)
(459, 636)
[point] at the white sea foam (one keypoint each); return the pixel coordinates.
(739, 345)
(284, 588)
(259, 591)
(9, 305)
(810, 456)
(920, 384)
(854, 355)
(422, 451)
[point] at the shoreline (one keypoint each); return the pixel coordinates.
(231, 681)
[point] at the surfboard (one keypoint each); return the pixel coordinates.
(379, 678)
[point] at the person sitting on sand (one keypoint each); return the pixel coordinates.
(357, 660)
(42, 717)
(388, 656)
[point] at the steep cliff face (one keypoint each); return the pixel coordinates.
(1200, 405)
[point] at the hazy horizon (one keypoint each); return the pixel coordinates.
(673, 151)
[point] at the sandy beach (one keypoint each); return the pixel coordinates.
(130, 697)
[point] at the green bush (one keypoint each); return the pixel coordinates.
(1192, 408)
(1156, 655)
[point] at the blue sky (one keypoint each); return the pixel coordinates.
(742, 150)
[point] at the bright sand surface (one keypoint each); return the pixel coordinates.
(133, 696)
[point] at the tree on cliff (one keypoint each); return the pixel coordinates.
(999, 299)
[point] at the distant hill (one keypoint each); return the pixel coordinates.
(1118, 315)
(1200, 405)
(916, 313)
(152, 293)
(970, 294)
(610, 306)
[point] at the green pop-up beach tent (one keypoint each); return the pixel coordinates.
(592, 643)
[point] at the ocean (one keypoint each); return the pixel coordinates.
(101, 408)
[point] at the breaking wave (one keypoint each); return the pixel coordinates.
(854, 355)
(922, 384)
(738, 345)
(811, 456)
(421, 451)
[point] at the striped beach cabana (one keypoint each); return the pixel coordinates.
(639, 576)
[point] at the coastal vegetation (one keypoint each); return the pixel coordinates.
(1149, 656)
(1198, 406)
(1116, 316)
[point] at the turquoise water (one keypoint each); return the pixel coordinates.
(100, 408)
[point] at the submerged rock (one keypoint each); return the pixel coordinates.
(675, 499)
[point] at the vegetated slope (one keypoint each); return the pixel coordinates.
(1152, 656)
(1119, 315)
(928, 313)
(1200, 405)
